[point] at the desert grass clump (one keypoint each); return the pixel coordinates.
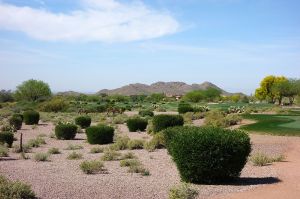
(3, 151)
(41, 157)
(157, 142)
(35, 143)
(182, 191)
(92, 167)
(136, 144)
(74, 156)
(74, 147)
(110, 155)
(25, 148)
(121, 143)
(97, 150)
(137, 124)
(139, 169)
(129, 162)
(15, 190)
(278, 158)
(120, 119)
(128, 155)
(54, 150)
(260, 159)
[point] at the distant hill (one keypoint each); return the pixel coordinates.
(169, 88)
(69, 93)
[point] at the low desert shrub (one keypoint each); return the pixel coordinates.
(260, 159)
(35, 143)
(121, 143)
(110, 155)
(74, 156)
(129, 162)
(65, 131)
(207, 154)
(15, 190)
(25, 148)
(128, 155)
(145, 113)
(161, 122)
(120, 119)
(215, 118)
(31, 117)
(16, 122)
(92, 167)
(157, 142)
(54, 150)
(83, 121)
(100, 134)
(184, 108)
(136, 144)
(6, 138)
(232, 119)
(3, 151)
(74, 147)
(97, 150)
(182, 191)
(54, 105)
(136, 124)
(41, 157)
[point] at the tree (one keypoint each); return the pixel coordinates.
(194, 96)
(212, 93)
(33, 90)
(266, 90)
(6, 96)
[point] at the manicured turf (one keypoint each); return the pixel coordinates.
(274, 124)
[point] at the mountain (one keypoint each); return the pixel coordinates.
(169, 88)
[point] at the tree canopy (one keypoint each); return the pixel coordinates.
(33, 90)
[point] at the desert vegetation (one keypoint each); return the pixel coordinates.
(203, 138)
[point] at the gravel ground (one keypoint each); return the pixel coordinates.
(60, 178)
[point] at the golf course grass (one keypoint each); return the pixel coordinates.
(274, 124)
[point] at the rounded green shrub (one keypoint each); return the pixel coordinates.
(135, 124)
(101, 134)
(6, 138)
(16, 122)
(208, 154)
(184, 108)
(161, 122)
(18, 115)
(83, 121)
(31, 117)
(145, 113)
(65, 131)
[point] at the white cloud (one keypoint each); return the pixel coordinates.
(98, 20)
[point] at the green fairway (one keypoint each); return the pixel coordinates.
(274, 124)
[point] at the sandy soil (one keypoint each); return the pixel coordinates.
(62, 179)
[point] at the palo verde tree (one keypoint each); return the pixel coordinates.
(33, 90)
(266, 90)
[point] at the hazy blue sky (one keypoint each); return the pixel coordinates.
(87, 45)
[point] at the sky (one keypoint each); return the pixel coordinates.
(89, 45)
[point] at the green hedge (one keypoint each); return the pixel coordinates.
(208, 154)
(31, 117)
(83, 121)
(6, 138)
(135, 124)
(16, 121)
(161, 122)
(65, 131)
(101, 134)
